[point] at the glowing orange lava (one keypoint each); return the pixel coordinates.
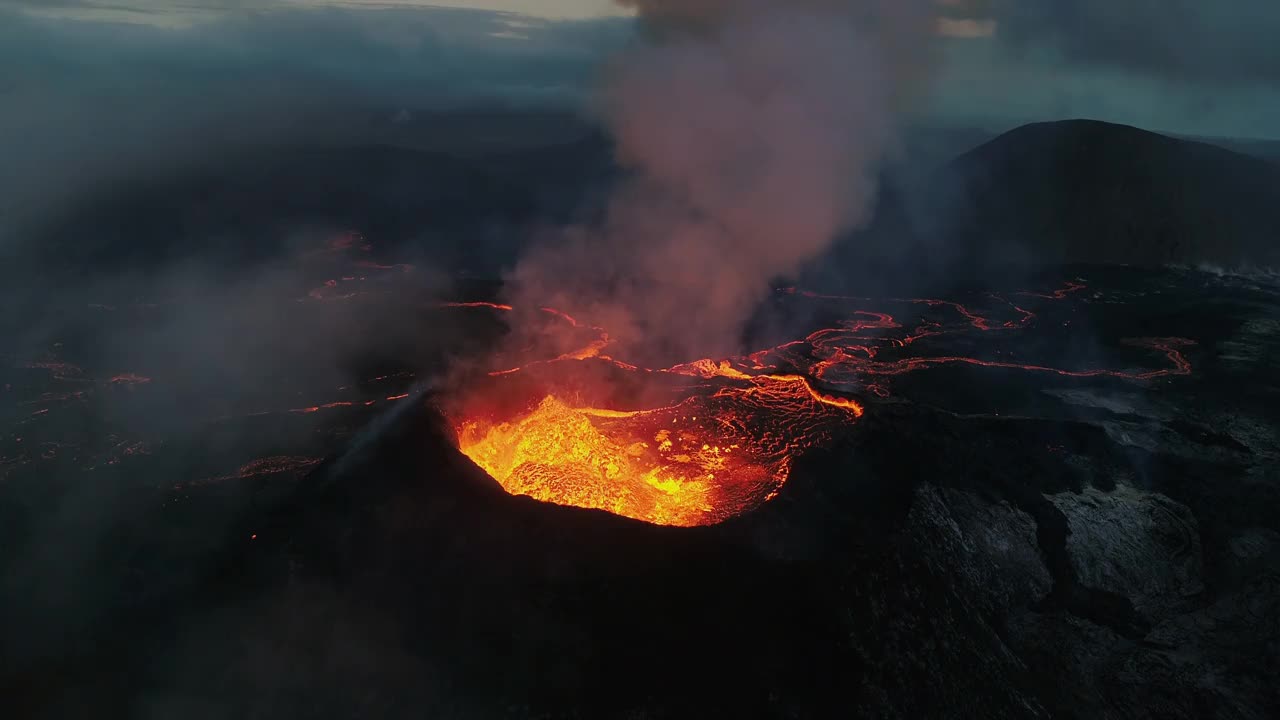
(698, 462)
(728, 441)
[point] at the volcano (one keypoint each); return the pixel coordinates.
(914, 493)
(1051, 497)
(1010, 504)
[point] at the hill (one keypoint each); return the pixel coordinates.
(1087, 191)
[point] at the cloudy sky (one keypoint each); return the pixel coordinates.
(86, 84)
(1189, 66)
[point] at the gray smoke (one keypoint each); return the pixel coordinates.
(753, 133)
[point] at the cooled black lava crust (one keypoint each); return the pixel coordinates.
(982, 543)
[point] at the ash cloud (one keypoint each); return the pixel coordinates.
(753, 133)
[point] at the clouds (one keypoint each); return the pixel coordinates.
(166, 12)
(1179, 40)
(131, 86)
(1183, 40)
(1188, 66)
(89, 102)
(410, 57)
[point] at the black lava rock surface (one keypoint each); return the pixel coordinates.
(984, 543)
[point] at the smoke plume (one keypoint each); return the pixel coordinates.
(753, 133)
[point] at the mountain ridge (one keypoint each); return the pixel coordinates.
(1088, 191)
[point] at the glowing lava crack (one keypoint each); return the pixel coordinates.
(727, 444)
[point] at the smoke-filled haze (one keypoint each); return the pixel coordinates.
(753, 132)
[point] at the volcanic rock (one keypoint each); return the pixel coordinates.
(1140, 545)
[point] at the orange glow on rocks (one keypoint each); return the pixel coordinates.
(724, 434)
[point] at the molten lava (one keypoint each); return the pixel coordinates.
(728, 441)
(597, 459)
(714, 455)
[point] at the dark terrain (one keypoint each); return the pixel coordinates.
(1075, 191)
(1084, 191)
(187, 532)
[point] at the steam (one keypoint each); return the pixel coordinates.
(754, 132)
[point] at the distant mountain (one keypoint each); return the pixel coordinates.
(1086, 191)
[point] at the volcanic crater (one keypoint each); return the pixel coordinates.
(699, 442)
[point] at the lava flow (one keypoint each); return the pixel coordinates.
(719, 452)
(723, 436)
